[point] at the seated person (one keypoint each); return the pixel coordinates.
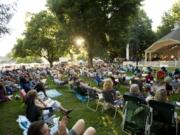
(138, 80)
(177, 72)
(79, 87)
(59, 81)
(161, 95)
(10, 85)
(39, 87)
(98, 79)
(134, 91)
(157, 86)
(3, 97)
(149, 78)
(41, 128)
(176, 84)
(161, 75)
(25, 84)
(35, 105)
(159, 127)
(114, 80)
(110, 95)
(169, 87)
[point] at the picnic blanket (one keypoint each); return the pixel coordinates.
(53, 93)
(80, 97)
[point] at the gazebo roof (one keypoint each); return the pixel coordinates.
(171, 39)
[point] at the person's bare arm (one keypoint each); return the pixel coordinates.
(62, 126)
(39, 104)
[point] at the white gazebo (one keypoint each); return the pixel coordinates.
(168, 46)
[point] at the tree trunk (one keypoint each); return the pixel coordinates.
(51, 63)
(49, 60)
(71, 56)
(137, 60)
(90, 61)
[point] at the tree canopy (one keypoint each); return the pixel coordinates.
(102, 23)
(169, 19)
(42, 38)
(6, 12)
(141, 35)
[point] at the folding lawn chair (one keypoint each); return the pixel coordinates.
(164, 117)
(80, 94)
(137, 116)
(109, 105)
(92, 95)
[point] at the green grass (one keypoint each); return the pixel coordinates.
(103, 122)
(176, 97)
(9, 112)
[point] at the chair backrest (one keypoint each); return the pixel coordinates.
(136, 113)
(80, 91)
(162, 112)
(109, 96)
(128, 97)
(92, 94)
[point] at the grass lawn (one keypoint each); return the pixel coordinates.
(9, 112)
(103, 122)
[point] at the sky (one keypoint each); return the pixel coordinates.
(153, 8)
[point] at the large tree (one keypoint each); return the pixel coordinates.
(100, 22)
(6, 12)
(20, 53)
(169, 19)
(42, 38)
(141, 35)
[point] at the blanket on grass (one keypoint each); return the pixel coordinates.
(53, 93)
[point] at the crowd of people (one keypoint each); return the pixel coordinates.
(148, 84)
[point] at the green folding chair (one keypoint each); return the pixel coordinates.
(137, 116)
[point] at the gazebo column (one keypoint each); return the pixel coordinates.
(127, 51)
(150, 56)
(146, 54)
